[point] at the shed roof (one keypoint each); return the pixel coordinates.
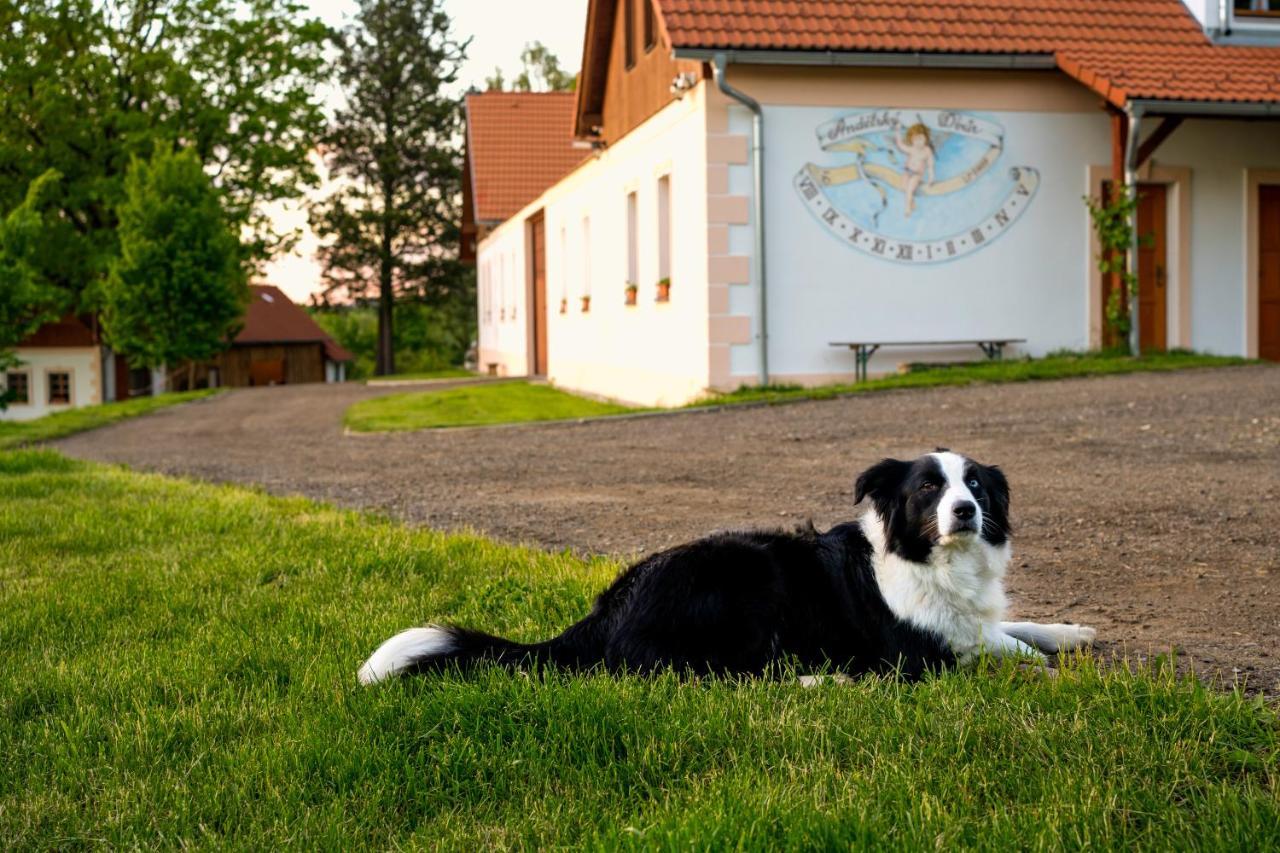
(272, 318)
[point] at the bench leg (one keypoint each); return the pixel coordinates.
(993, 350)
(863, 355)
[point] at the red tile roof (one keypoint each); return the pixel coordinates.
(519, 144)
(272, 318)
(1121, 48)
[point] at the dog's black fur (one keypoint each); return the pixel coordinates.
(733, 603)
(745, 603)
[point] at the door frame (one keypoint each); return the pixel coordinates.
(1253, 179)
(1177, 181)
(533, 251)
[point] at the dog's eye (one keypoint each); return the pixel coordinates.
(928, 487)
(974, 484)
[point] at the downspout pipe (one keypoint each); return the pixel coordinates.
(721, 64)
(1134, 112)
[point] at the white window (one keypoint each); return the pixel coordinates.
(59, 384)
(664, 228)
(18, 385)
(562, 268)
(1257, 11)
(586, 256)
(514, 284)
(633, 239)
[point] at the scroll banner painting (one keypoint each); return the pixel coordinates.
(922, 187)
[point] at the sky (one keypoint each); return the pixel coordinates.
(499, 30)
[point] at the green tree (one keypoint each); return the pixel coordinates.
(178, 289)
(540, 72)
(390, 228)
(27, 300)
(87, 85)
(427, 337)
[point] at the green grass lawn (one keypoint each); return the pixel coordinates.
(514, 402)
(474, 405)
(1058, 366)
(179, 670)
(22, 433)
(442, 373)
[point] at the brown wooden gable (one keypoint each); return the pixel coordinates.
(70, 331)
(614, 96)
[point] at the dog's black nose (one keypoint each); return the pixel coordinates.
(965, 510)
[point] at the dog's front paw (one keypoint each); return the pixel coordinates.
(1082, 635)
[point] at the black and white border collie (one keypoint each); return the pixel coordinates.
(916, 584)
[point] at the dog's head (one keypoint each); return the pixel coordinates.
(941, 499)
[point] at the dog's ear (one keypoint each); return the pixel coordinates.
(997, 487)
(881, 480)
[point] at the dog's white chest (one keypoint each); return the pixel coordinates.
(957, 595)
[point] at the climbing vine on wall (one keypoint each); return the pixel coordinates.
(1112, 217)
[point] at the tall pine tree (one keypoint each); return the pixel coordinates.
(390, 228)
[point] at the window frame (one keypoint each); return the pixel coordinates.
(629, 34)
(633, 237)
(586, 260)
(1248, 18)
(665, 230)
(49, 373)
(29, 375)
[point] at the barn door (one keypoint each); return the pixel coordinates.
(1153, 268)
(538, 318)
(267, 371)
(1269, 272)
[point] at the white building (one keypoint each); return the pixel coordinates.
(885, 170)
(61, 366)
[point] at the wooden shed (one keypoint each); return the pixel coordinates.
(279, 345)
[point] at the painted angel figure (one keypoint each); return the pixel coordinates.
(918, 149)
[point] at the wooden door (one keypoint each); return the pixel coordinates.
(266, 372)
(1153, 268)
(538, 319)
(1269, 272)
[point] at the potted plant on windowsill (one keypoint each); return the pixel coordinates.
(632, 290)
(586, 303)
(664, 290)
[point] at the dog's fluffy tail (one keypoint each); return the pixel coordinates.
(435, 647)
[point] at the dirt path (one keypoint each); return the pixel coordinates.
(1146, 505)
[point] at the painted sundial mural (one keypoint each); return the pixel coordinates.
(915, 186)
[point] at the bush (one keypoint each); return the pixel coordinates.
(427, 337)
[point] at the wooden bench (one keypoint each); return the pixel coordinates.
(992, 348)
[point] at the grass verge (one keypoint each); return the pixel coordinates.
(516, 402)
(442, 373)
(179, 670)
(21, 433)
(473, 405)
(1056, 366)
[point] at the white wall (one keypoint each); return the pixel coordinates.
(1218, 153)
(1032, 279)
(84, 364)
(652, 353)
(1029, 282)
(502, 291)
(1205, 11)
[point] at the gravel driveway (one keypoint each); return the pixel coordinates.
(1146, 505)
